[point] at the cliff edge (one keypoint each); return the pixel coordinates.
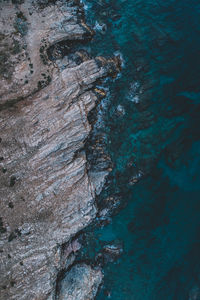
(47, 89)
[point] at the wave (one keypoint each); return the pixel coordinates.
(134, 92)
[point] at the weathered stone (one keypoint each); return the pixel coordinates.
(80, 283)
(46, 193)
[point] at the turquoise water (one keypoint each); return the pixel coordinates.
(150, 125)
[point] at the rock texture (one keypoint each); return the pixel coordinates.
(46, 193)
(79, 280)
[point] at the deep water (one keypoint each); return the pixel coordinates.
(150, 122)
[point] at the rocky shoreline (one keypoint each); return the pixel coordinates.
(48, 88)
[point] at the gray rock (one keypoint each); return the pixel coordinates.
(46, 193)
(80, 283)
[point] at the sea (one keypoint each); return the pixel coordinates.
(150, 123)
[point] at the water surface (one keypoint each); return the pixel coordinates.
(150, 122)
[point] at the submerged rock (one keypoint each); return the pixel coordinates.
(80, 283)
(110, 253)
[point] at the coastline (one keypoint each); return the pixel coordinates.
(47, 194)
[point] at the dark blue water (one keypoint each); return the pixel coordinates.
(150, 122)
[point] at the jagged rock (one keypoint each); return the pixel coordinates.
(46, 193)
(98, 179)
(80, 283)
(110, 253)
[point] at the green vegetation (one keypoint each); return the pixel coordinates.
(10, 204)
(17, 1)
(15, 49)
(12, 180)
(12, 236)
(20, 24)
(2, 228)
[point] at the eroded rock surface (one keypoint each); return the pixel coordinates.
(46, 193)
(78, 281)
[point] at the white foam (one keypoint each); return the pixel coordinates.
(134, 92)
(135, 99)
(100, 27)
(121, 110)
(86, 5)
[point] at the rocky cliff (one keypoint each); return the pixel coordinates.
(46, 193)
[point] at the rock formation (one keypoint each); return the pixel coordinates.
(46, 193)
(81, 283)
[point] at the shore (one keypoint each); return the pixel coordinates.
(48, 88)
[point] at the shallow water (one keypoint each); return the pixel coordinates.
(151, 123)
